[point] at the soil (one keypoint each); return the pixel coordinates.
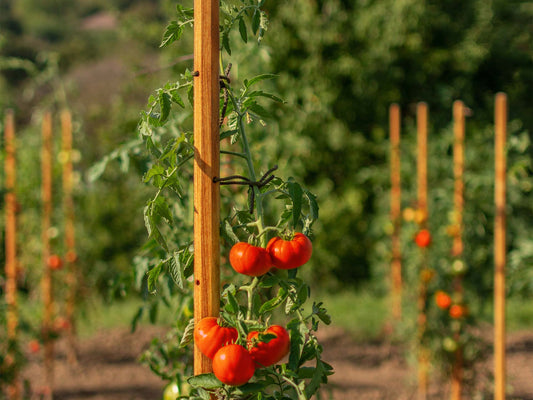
(107, 369)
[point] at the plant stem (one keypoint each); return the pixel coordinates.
(250, 292)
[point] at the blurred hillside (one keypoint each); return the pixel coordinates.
(340, 65)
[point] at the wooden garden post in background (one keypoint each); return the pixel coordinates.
(395, 211)
(500, 119)
(422, 211)
(70, 237)
(11, 240)
(206, 167)
(47, 281)
(457, 246)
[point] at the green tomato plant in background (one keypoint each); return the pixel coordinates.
(268, 209)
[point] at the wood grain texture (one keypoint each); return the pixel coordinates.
(500, 120)
(206, 167)
(395, 210)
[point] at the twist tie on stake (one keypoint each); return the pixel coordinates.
(242, 180)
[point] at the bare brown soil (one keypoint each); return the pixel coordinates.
(108, 369)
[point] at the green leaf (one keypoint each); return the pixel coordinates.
(97, 169)
(154, 310)
(232, 306)
(164, 104)
(319, 376)
(242, 30)
(260, 93)
(188, 334)
(153, 276)
(162, 209)
(136, 319)
(227, 232)
(151, 226)
(175, 270)
(268, 281)
(206, 381)
(176, 98)
(258, 78)
(313, 204)
(225, 42)
(274, 302)
(251, 387)
(256, 21)
(321, 313)
(172, 33)
(296, 194)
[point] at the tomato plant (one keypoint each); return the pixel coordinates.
(292, 253)
(262, 207)
(209, 336)
(250, 260)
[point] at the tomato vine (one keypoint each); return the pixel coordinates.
(263, 300)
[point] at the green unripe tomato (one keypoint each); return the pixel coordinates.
(449, 344)
(171, 392)
(458, 267)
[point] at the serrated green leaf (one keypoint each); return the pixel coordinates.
(260, 93)
(172, 33)
(206, 381)
(162, 209)
(227, 231)
(175, 270)
(176, 98)
(268, 281)
(319, 376)
(188, 334)
(242, 30)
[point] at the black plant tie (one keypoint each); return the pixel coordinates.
(242, 180)
(224, 82)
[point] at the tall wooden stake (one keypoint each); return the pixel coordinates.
(395, 210)
(423, 354)
(70, 237)
(500, 119)
(11, 243)
(206, 167)
(457, 247)
(47, 282)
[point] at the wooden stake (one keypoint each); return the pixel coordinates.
(47, 282)
(11, 245)
(500, 119)
(395, 210)
(206, 167)
(457, 248)
(423, 355)
(70, 238)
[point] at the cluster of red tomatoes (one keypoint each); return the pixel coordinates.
(283, 254)
(444, 302)
(234, 364)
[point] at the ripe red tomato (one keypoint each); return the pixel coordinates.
(54, 262)
(34, 346)
(249, 260)
(209, 336)
(289, 254)
(443, 300)
(268, 353)
(457, 311)
(233, 365)
(423, 238)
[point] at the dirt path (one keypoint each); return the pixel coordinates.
(108, 369)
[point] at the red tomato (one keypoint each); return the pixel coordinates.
(443, 300)
(249, 260)
(34, 346)
(233, 365)
(54, 262)
(457, 311)
(423, 238)
(268, 353)
(289, 254)
(209, 336)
